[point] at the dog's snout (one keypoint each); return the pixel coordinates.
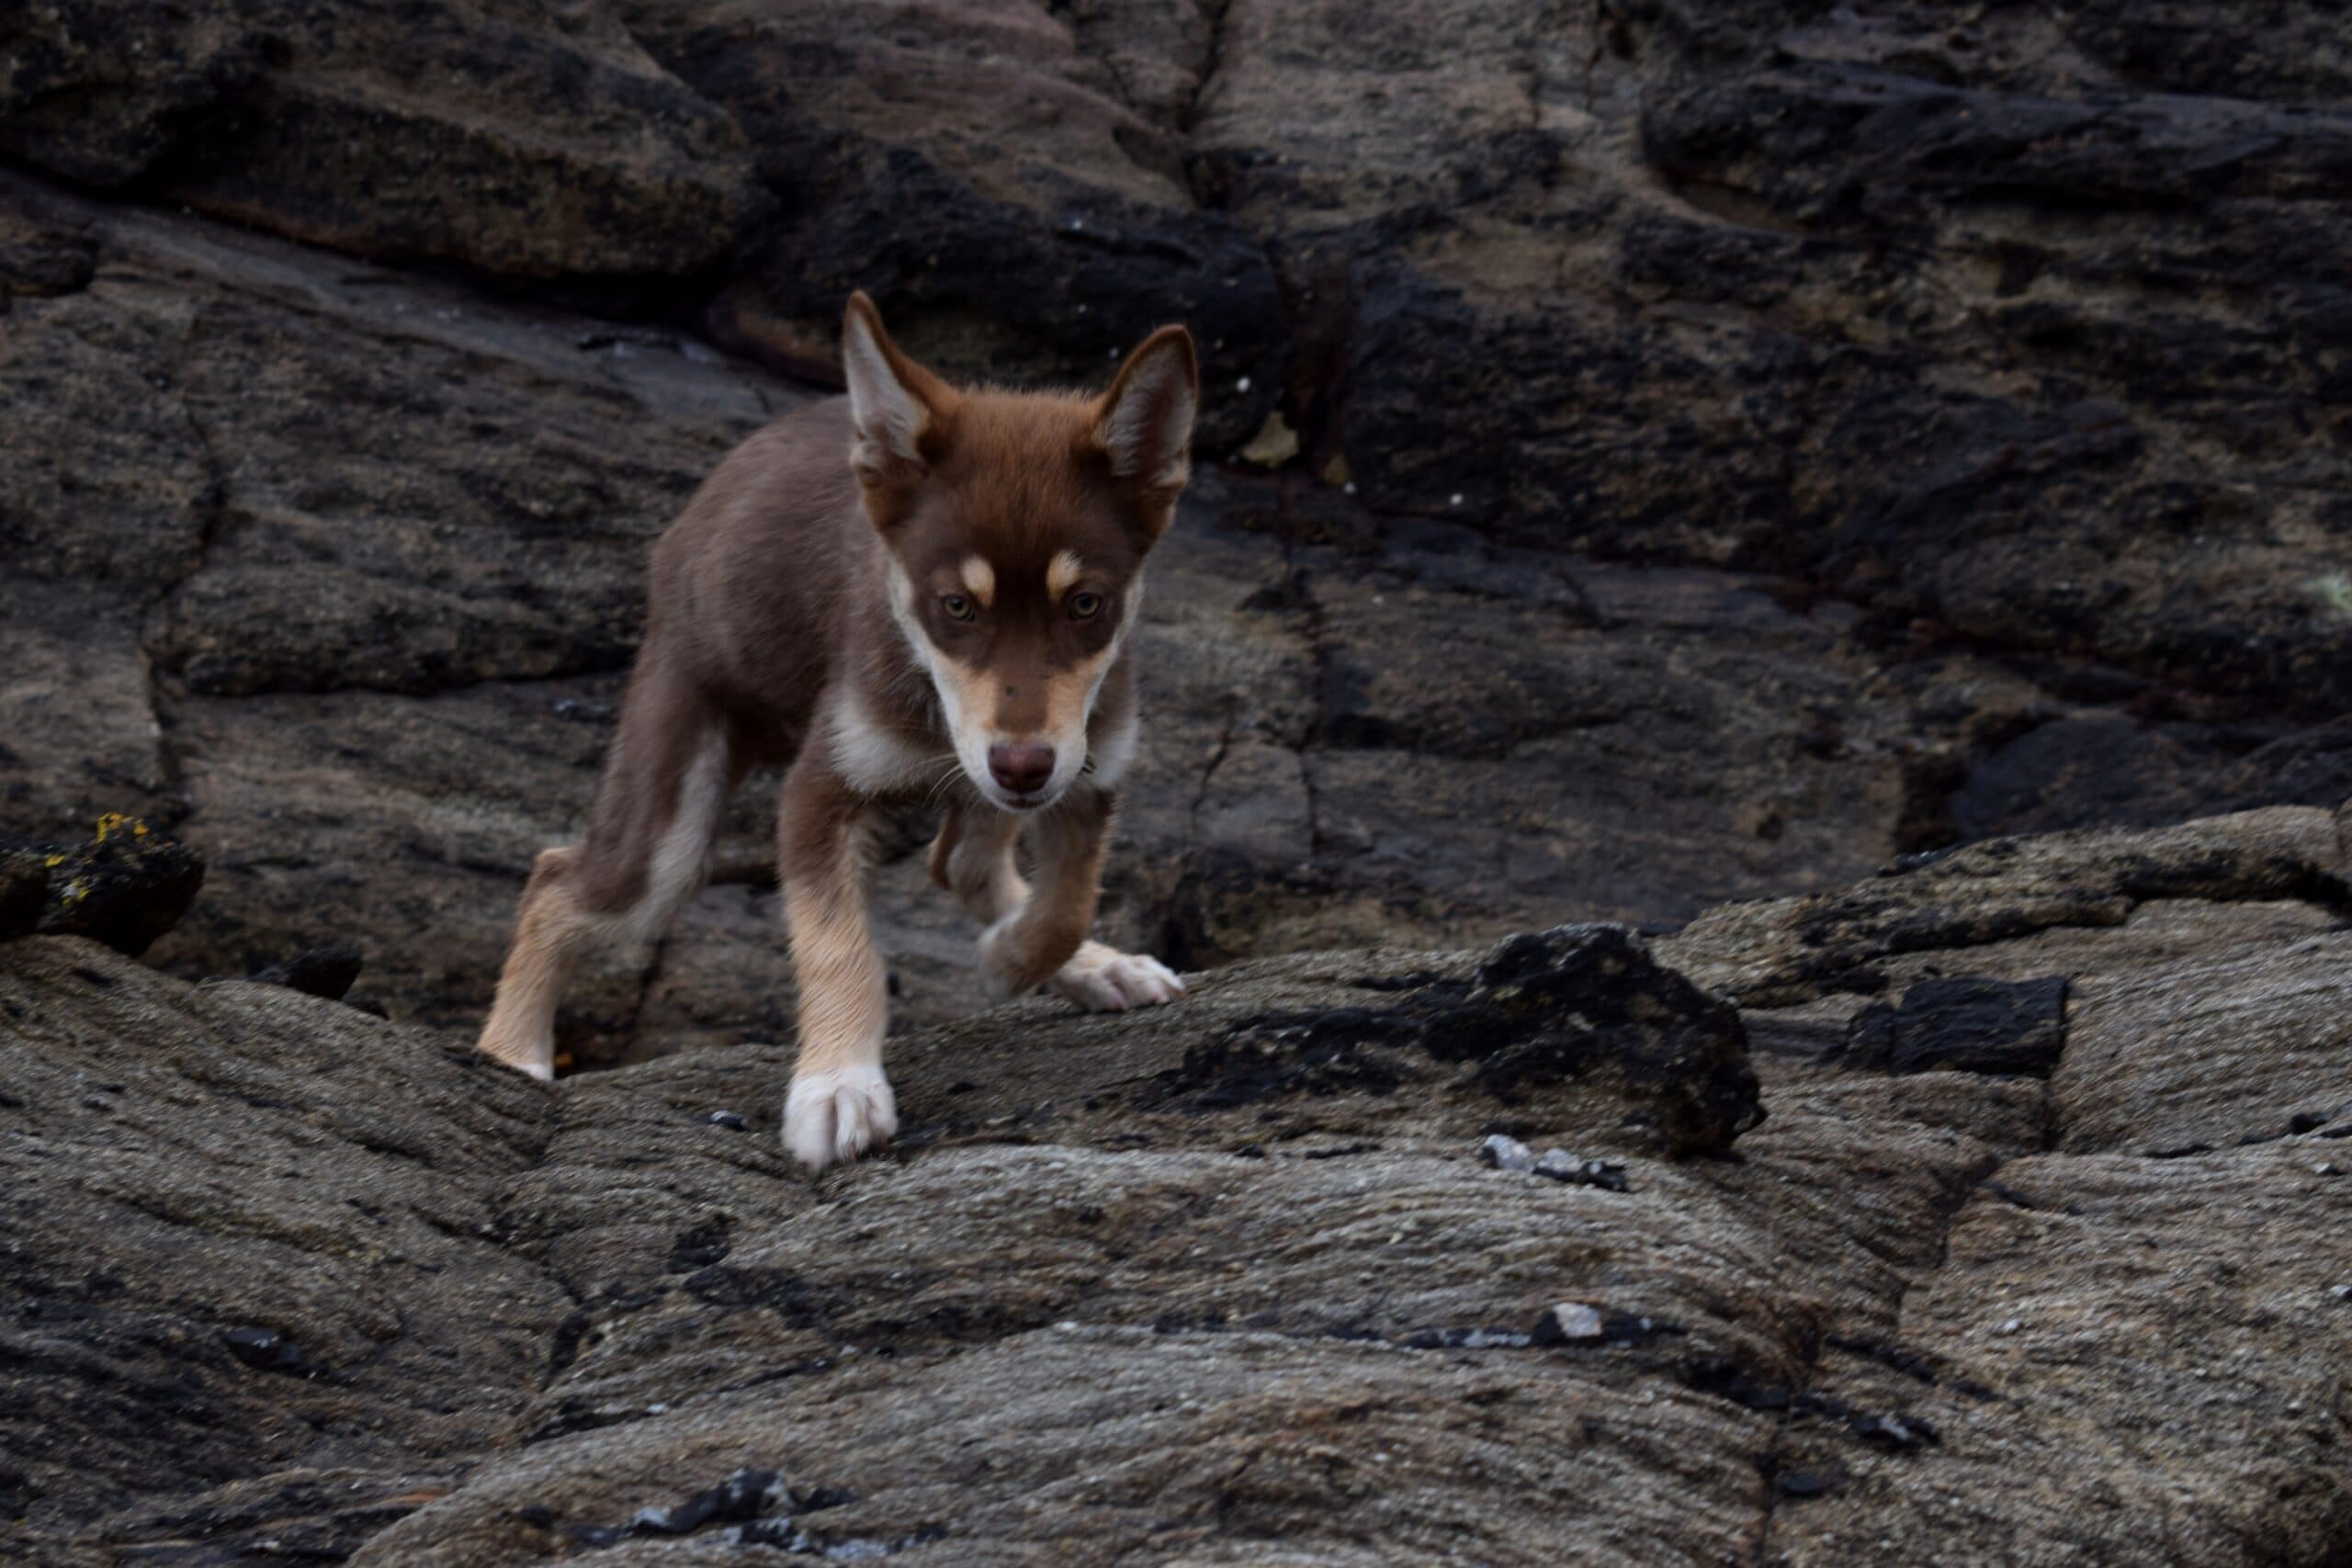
(1022, 767)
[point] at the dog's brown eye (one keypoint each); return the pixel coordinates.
(1085, 606)
(958, 608)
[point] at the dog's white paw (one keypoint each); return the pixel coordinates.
(1109, 981)
(836, 1116)
(535, 1057)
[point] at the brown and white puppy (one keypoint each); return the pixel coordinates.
(916, 591)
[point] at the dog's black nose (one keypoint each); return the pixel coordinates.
(1022, 767)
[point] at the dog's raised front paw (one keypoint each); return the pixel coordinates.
(836, 1116)
(1102, 979)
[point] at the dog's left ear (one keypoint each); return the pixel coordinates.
(1144, 423)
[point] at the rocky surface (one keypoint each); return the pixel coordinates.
(1665, 463)
(1820, 435)
(284, 1279)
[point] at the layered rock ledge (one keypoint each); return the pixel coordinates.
(1234, 1281)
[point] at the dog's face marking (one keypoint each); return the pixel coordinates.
(979, 578)
(1016, 528)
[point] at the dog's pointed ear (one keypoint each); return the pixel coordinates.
(893, 401)
(1144, 423)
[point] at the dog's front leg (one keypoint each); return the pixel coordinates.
(1039, 935)
(840, 1104)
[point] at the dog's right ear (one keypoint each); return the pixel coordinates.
(893, 401)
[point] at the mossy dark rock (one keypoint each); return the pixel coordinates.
(125, 887)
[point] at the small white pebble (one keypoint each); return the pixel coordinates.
(1067, 1326)
(2326, 1167)
(1349, 487)
(2011, 1326)
(1576, 1321)
(1456, 499)
(2296, 1406)
(1115, 354)
(1242, 384)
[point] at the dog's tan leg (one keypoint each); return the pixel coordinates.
(521, 1028)
(840, 1104)
(647, 849)
(973, 858)
(1039, 936)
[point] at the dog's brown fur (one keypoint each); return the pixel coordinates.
(890, 594)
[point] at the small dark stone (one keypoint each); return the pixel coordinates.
(1723, 1377)
(539, 1515)
(779, 1532)
(1895, 1434)
(327, 970)
(1802, 1484)
(1560, 1166)
(266, 1351)
(726, 1119)
(736, 1500)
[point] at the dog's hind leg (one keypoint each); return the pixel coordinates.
(647, 850)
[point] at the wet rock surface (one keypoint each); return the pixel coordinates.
(282, 1272)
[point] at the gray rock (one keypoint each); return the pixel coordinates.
(1505, 1154)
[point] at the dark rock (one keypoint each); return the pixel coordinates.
(1965, 1024)
(1038, 255)
(265, 1349)
(780, 1533)
(741, 1497)
(24, 888)
(1582, 1001)
(1564, 1167)
(126, 887)
(1895, 1434)
(327, 970)
(1782, 950)
(497, 137)
(1800, 1484)
(1578, 1010)
(726, 1119)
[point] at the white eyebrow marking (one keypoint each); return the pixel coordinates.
(980, 578)
(1063, 570)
